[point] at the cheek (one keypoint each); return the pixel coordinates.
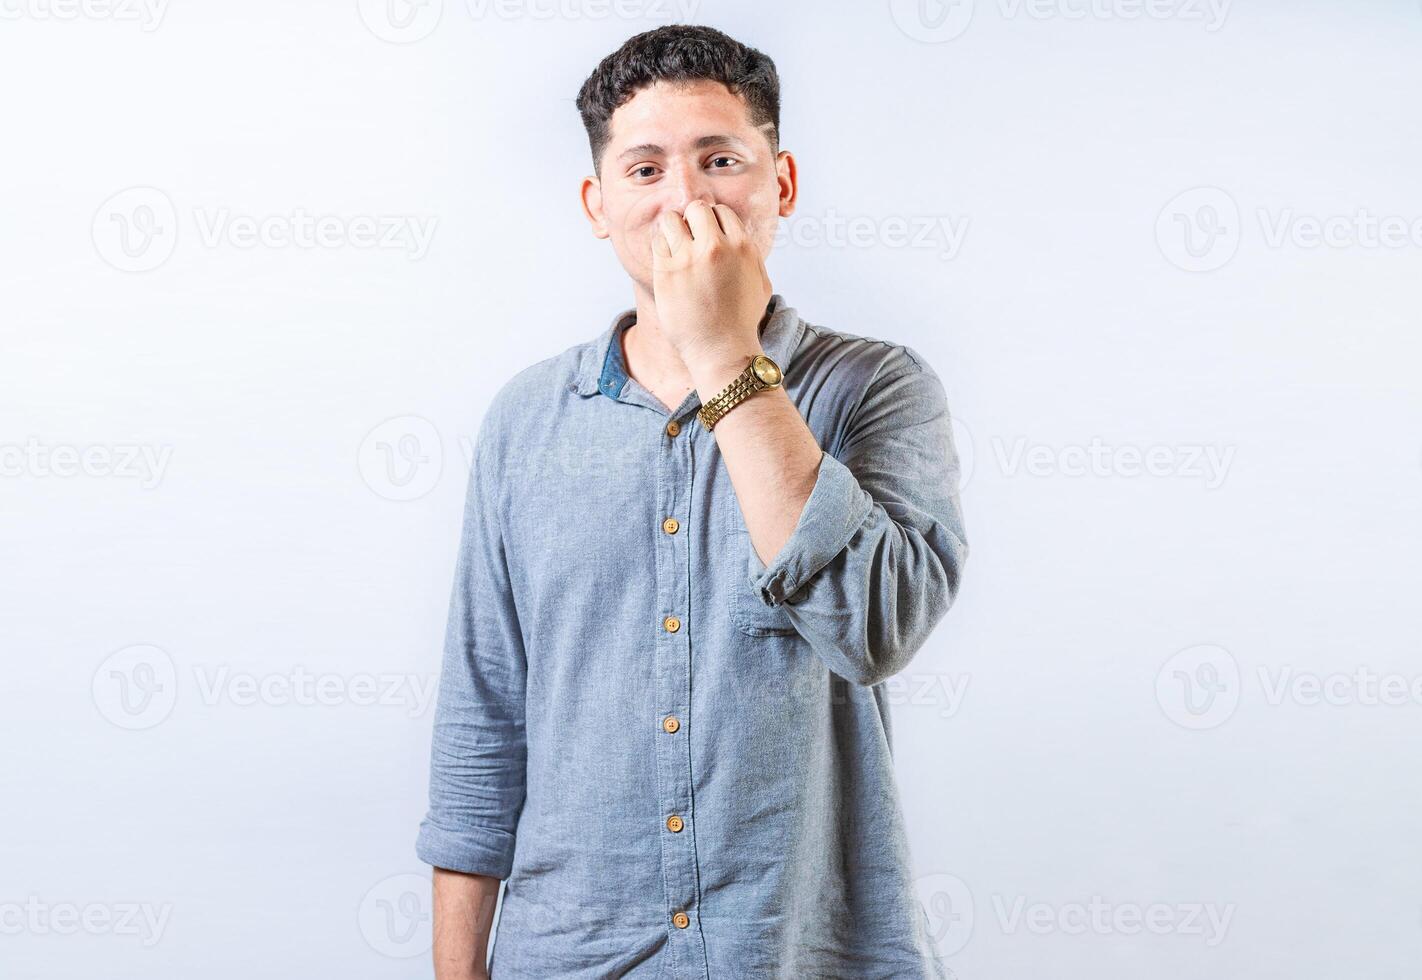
(641, 216)
(641, 227)
(762, 199)
(762, 209)
(631, 230)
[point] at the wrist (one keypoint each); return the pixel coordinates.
(712, 374)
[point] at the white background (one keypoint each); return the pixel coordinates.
(1186, 693)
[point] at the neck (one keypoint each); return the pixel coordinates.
(650, 357)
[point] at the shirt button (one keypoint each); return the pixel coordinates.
(670, 525)
(682, 920)
(674, 824)
(670, 724)
(673, 427)
(672, 624)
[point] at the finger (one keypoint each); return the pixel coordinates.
(660, 248)
(701, 219)
(731, 226)
(675, 230)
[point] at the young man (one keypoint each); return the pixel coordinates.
(693, 548)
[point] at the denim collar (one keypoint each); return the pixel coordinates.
(601, 367)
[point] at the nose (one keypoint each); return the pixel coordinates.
(685, 182)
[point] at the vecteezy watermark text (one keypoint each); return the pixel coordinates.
(124, 461)
(937, 232)
(1210, 463)
(936, 21)
(297, 686)
(37, 917)
(407, 21)
(1098, 917)
(1202, 229)
(952, 915)
(137, 687)
(137, 230)
(299, 229)
(148, 14)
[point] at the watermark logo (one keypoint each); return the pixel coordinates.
(948, 905)
(401, 21)
(963, 449)
(395, 916)
(932, 21)
(1199, 687)
(136, 687)
(136, 230)
(1199, 229)
(401, 458)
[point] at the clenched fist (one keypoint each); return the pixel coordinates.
(709, 283)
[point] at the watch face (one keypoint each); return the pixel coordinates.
(766, 370)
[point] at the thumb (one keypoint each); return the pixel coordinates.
(661, 250)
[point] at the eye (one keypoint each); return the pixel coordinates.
(715, 159)
(638, 171)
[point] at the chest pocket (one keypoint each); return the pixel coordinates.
(750, 615)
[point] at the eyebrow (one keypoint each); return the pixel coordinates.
(653, 150)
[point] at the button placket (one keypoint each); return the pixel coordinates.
(672, 668)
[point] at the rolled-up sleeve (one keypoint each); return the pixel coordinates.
(876, 557)
(478, 752)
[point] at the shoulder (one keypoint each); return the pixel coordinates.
(862, 361)
(530, 397)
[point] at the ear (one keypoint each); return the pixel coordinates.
(590, 193)
(789, 181)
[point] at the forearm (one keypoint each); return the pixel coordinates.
(876, 554)
(889, 578)
(463, 913)
(770, 455)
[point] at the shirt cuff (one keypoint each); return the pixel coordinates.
(837, 507)
(479, 851)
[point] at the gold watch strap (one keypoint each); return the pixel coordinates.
(742, 386)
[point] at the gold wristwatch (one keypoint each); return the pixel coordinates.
(760, 374)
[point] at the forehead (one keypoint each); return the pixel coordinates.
(673, 113)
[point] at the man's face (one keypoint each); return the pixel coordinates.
(672, 144)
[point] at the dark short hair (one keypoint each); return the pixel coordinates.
(678, 53)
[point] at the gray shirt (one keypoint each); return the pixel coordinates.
(678, 756)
